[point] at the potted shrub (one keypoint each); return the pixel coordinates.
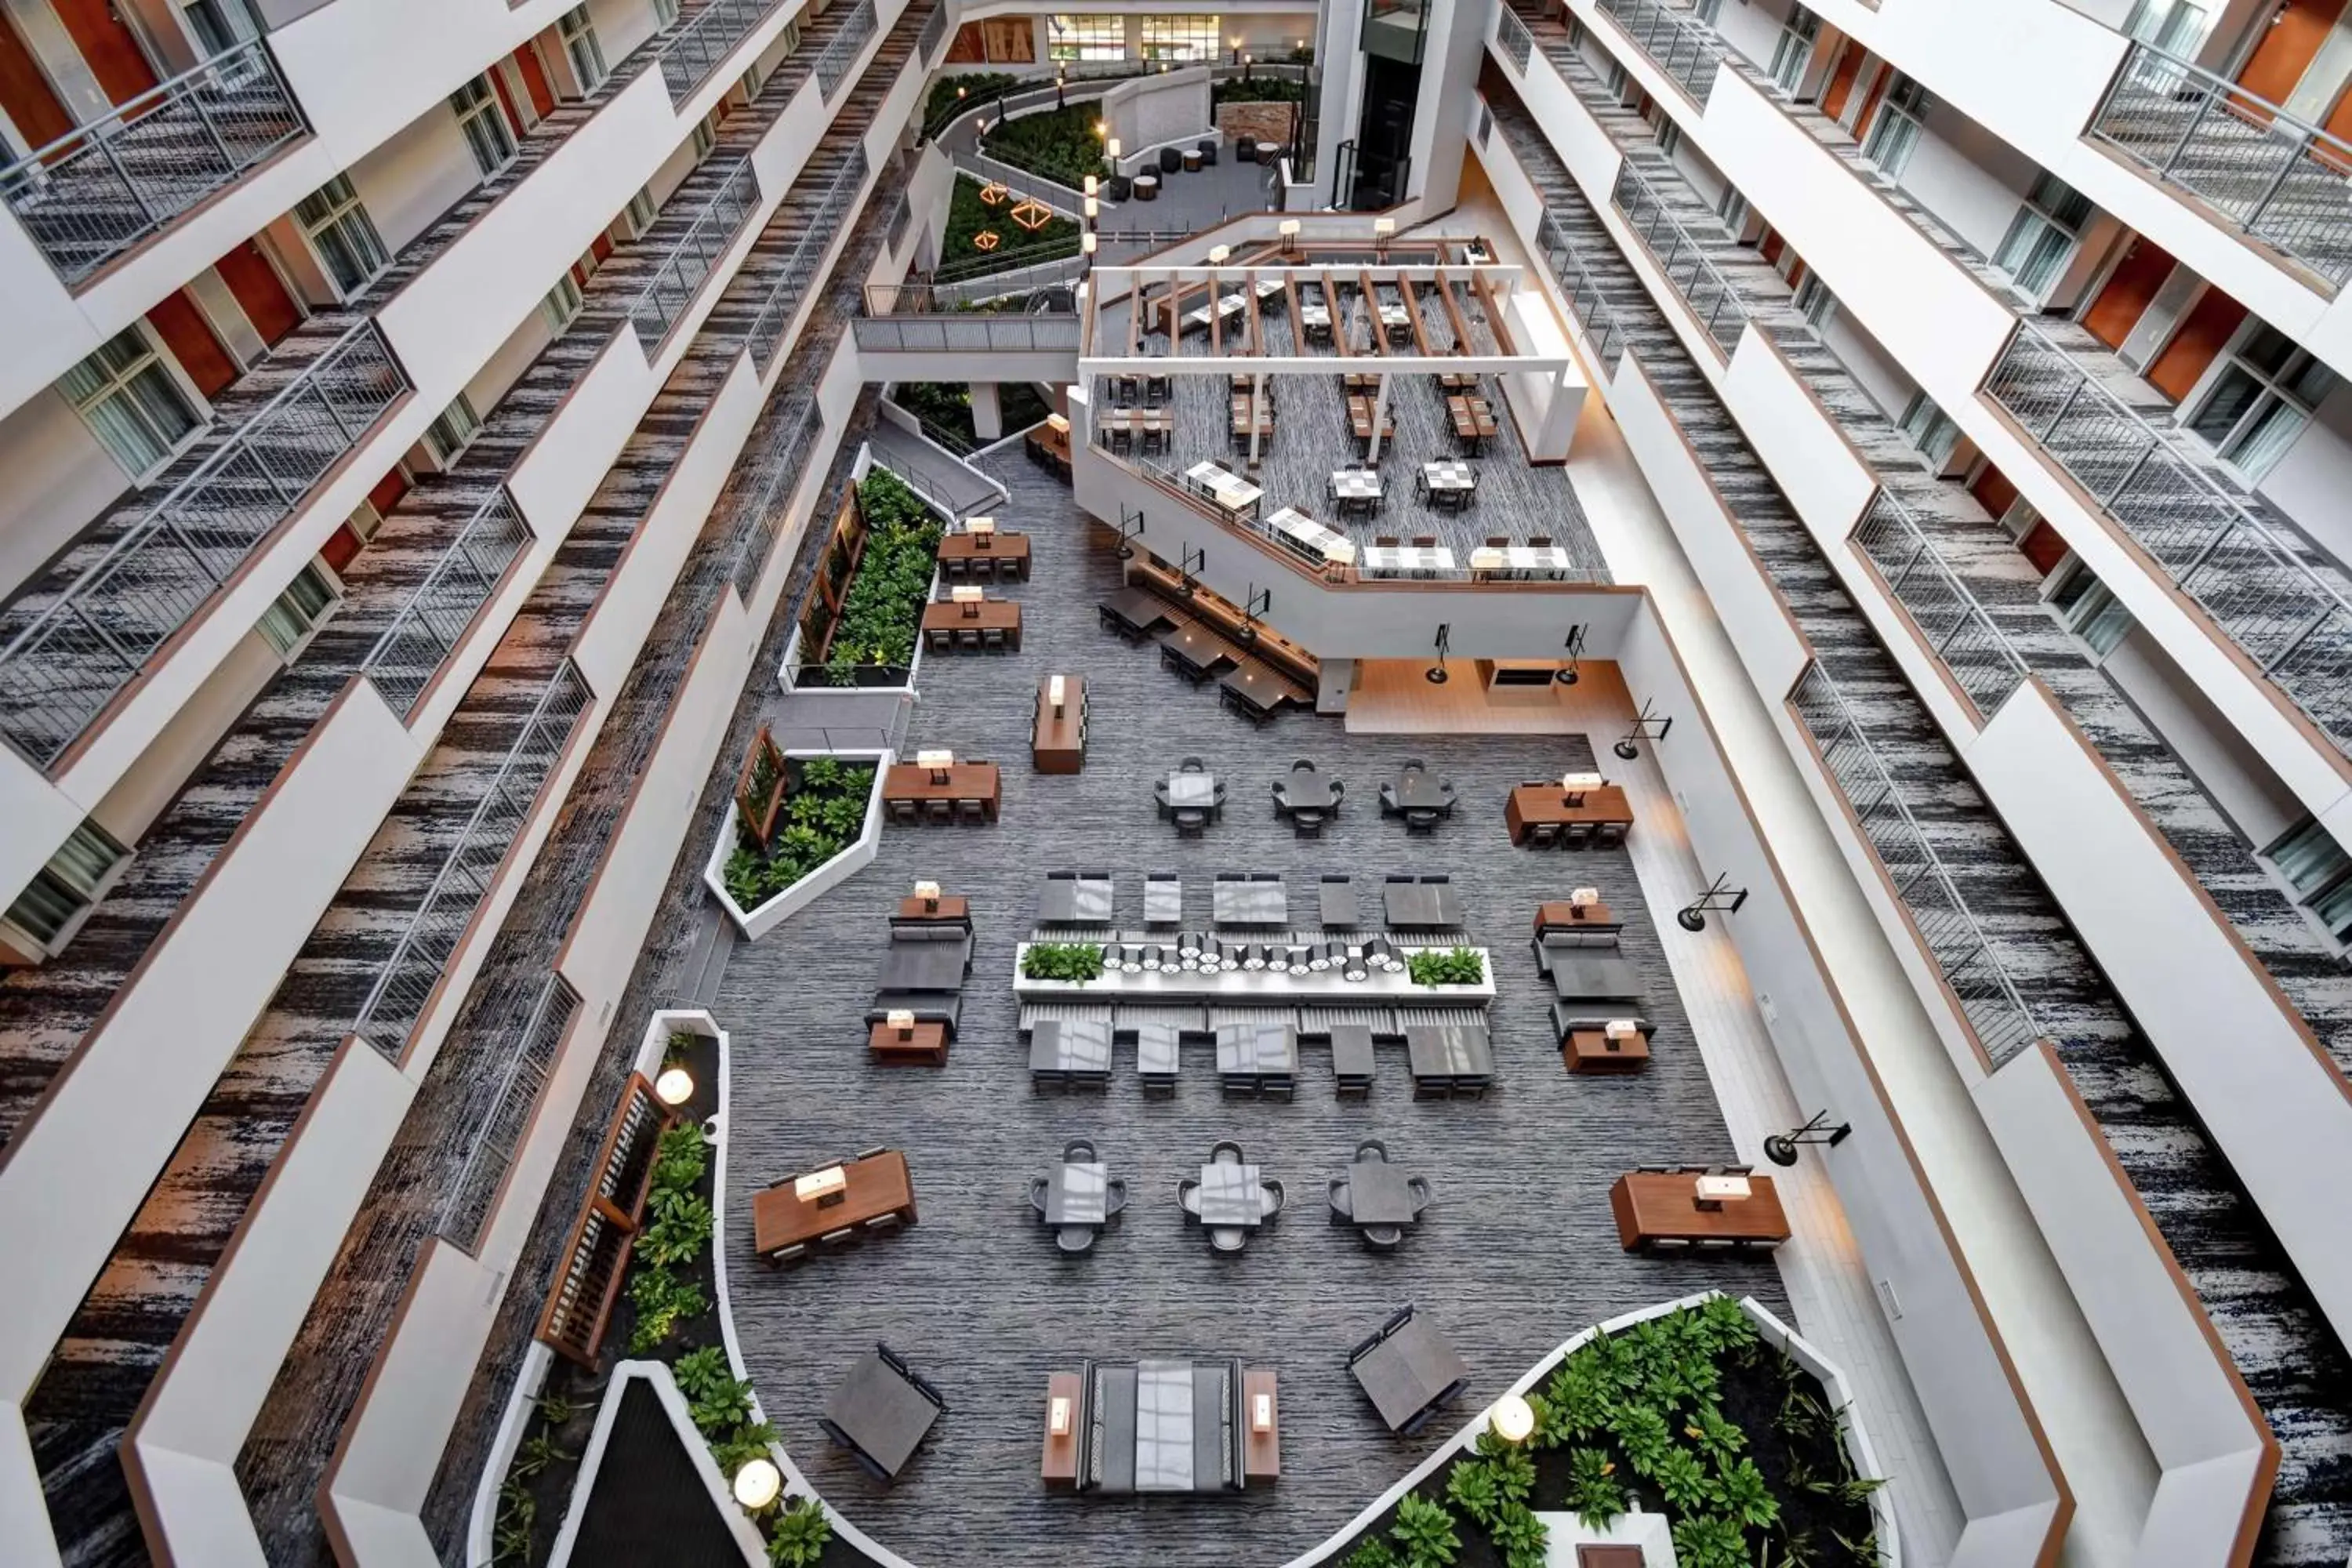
(825, 812)
(1074, 962)
(1447, 966)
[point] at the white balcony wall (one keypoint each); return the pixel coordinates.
(59, 478)
(415, 175)
(2313, 475)
(136, 801)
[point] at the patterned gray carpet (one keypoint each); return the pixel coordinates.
(1517, 1253)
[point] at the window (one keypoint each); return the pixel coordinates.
(214, 26)
(62, 892)
(639, 214)
(1613, 81)
(562, 304)
(130, 402)
(579, 36)
(449, 435)
(1732, 208)
(1817, 304)
(2176, 27)
(1181, 38)
(1896, 131)
(2091, 612)
(705, 135)
(1707, 11)
(286, 625)
(484, 124)
(2319, 871)
(2261, 400)
(1087, 38)
(665, 13)
(1930, 429)
(341, 235)
(1793, 51)
(1670, 134)
(2042, 237)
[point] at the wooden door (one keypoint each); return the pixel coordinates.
(1842, 78)
(32, 104)
(260, 292)
(2183, 361)
(534, 80)
(108, 46)
(2288, 48)
(2129, 289)
(190, 337)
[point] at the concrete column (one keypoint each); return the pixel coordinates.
(987, 419)
(1336, 679)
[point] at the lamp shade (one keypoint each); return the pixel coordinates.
(967, 594)
(979, 524)
(1058, 1415)
(1094, 203)
(939, 759)
(1086, 242)
(1218, 253)
(1722, 1189)
(1054, 689)
(675, 1086)
(902, 1019)
(1287, 228)
(820, 1183)
(1581, 780)
(1383, 226)
(1094, 184)
(1513, 1419)
(1111, 147)
(1622, 1029)
(927, 891)
(1357, 966)
(1155, 958)
(758, 1484)
(1584, 898)
(1058, 424)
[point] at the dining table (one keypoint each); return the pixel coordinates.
(1654, 1206)
(964, 551)
(1200, 650)
(1257, 1051)
(1310, 537)
(918, 785)
(1410, 1372)
(1258, 687)
(1449, 481)
(1454, 1055)
(1253, 902)
(944, 620)
(881, 1413)
(1237, 496)
(877, 1184)
(1404, 559)
(1074, 900)
(1070, 1050)
(1549, 803)
(1422, 906)
(1473, 420)
(1524, 560)
(1359, 420)
(1356, 488)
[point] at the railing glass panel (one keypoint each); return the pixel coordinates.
(428, 628)
(1679, 44)
(701, 41)
(1683, 258)
(686, 265)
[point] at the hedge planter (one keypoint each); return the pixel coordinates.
(819, 856)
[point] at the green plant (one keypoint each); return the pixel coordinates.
(724, 1408)
(827, 812)
(1642, 1436)
(1470, 1487)
(1424, 1532)
(558, 1410)
(1800, 1413)
(1579, 1401)
(1454, 966)
(1373, 1553)
(949, 92)
(1865, 1551)
(511, 1535)
(1682, 1477)
(1595, 1495)
(701, 1374)
(1855, 1491)
(1520, 1536)
(1078, 961)
(535, 1454)
(1739, 1491)
(680, 1159)
(1797, 1551)
(1709, 1540)
(1260, 89)
(1059, 144)
(679, 1231)
(740, 1448)
(1717, 1437)
(662, 1300)
(1514, 1473)
(800, 1534)
(1718, 1325)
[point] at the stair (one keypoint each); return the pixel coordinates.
(2294, 1370)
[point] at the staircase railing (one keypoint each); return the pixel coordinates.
(1955, 625)
(841, 52)
(404, 985)
(686, 265)
(935, 27)
(499, 1135)
(2281, 179)
(818, 231)
(1683, 258)
(692, 52)
(428, 628)
(1970, 965)
(60, 669)
(2291, 617)
(103, 187)
(1677, 43)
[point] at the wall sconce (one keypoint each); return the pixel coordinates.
(758, 1484)
(1513, 1419)
(1719, 897)
(1781, 1147)
(828, 1185)
(674, 1087)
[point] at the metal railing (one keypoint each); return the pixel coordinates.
(499, 1136)
(2292, 617)
(934, 29)
(700, 42)
(792, 280)
(1678, 43)
(688, 264)
(785, 459)
(404, 985)
(2283, 181)
(841, 52)
(1955, 625)
(103, 187)
(902, 217)
(427, 629)
(969, 332)
(1683, 258)
(1519, 44)
(980, 268)
(1965, 956)
(1586, 302)
(850, 678)
(1021, 182)
(61, 668)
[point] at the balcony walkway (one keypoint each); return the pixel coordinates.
(2281, 1347)
(133, 1314)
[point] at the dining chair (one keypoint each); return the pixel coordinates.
(905, 811)
(1226, 1152)
(1382, 1238)
(938, 811)
(1228, 1239)
(1375, 1148)
(1342, 1198)
(1077, 1149)
(1385, 541)
(882, 1224)
(1274, 1191)
(1074, 1239)
(993, 638)
(1424, 542)
(1415, 765)
(1191, 765)
(1543, 836)
(1541, 541)
(1576, 836)
(969, 811)
(1498, 541)
(1188, 1195)
(1419, 1188)
(1114, 1195)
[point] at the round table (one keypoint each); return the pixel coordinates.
(1146, 188)
(1192, 161)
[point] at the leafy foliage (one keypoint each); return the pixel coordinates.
(679, 1231)
(1373, 1553)
(518, 1514)
(881, 614)
(1514, 1473)
(1739, 1491)
(968, 215)
(1577, 1400)
(1709, 1540)
(1717, 1437)
(663, 1300)
(1595, 1495)
(825, 813)
(1470, 1487)
(1260, 89)
(966, 89)
(739, 1447)
(1682, 1477)
(1642, 1436)
(801, 1533)
(1058, 143)
(1424, 1533)
(680, 1159)
(1452, 966)
(1079, 961)
(1520, 1536)
(535, 1454)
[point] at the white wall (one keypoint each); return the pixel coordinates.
(1967, 177)
(410, 180)
(2313, 478)
(60, 479)
(139, 798)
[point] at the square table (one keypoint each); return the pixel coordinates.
(1355, 484)
(1408, 1371)
(1076, 1045)
(1314, 312)
(882, 1414)
(1163, 1426)
(1074, 900)
(1422, 905)
(1157, 1055)
(1379, 1193)
(1450, 475)
(1339, 903)
(1352, 1058)
(925, 963)
(1449, 1051)
(1390, 560)
(1164, 900)
(1191, 789)
(1418, 789)
(1250, 903)
(1257, 1050)
(1232, 1198)
(1078, 1193)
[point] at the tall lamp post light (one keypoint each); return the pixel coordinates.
(1781, 1147)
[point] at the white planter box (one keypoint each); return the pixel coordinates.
(755, 923)
(1244, 986)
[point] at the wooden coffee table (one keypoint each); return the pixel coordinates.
(1261, 1451)
(1592, 1051)
(1651, 1207)
(925, 1046)
(1059, 1468)
(1565, 916)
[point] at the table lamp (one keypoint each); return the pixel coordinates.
(1584, 898)
(983, 530)
(903, 1020)
(1218, 253)
(1382, 228)
(1058, 424)
(675, 1086)
(1715, 1191)
(1111, 147)
(1288, 229)
(1619, 1030)
(1055, 690)
(826, 1187)
(929, 893)
(758, 1484)
(969, 597)
(1057, 1409)
(1262, 1413)
(939, 762)
(1578, 784)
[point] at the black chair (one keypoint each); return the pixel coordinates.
(1171, 160)
(1208, 151)
(1119, 187)
(1245, 148)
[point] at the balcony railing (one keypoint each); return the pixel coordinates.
(101, 189)
(2285, 182)
(970, 331)
(1518, 43)
(934, 29)
(1585, 300)
(691, 53)
(1683, 258)
(65, 656)
(1966, 957)
(818, 231)
(686, 265)
(2291, 616)
(429, 627)
(1969, 642)
(842, 50)
(788, 458)
(404, 985)
(1676, 42)
(499, 1136)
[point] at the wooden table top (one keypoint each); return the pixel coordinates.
(1651, 1207)
(1564, 913)
(946, 616)
(1047, 438)
(1060, 1463)
(1261, 1451)
(1548, 802)
(1015, 546)
(965, 781)
(1198, 645)
(1471, 416)
(878, 1185)
(1259, 684)
(952, 907)
(1591, 1051)
(1049, 733)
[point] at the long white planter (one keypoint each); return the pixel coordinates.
(755, 923)
(1244, 986)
